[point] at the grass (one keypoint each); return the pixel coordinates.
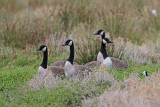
(24, 25)
(21, 68)
(61, 96)
(131, 92)
(17, 70)
(128, 19)
(134, 68)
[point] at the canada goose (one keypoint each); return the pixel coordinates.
(70, 69)
(100, 58)
(104, 59)
(145, 73)
(116, 63)
(57, 71)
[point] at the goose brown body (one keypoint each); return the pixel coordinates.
(57, 71)
(93, 64)
(118, 64)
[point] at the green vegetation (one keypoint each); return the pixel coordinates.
(134, 68)
(17, 70)
(24, 25)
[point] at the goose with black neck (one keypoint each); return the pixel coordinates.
(102, 52)
(43, 70)
(70, 69)
(62, 63)
(102, 55)
(106, 59)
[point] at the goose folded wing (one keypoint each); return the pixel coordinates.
(82, 70)
(57, 71)
(61, 63)
(116, 63)
(93, 64)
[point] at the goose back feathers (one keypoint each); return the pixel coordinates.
(61, 63)
(93, 64)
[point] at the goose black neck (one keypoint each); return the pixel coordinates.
(103, 36)
(45, 59)
(71, 56)
(103, 47)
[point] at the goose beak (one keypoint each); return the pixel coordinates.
(63, 45)
(110, 42)
(38, 49)
(95, 33)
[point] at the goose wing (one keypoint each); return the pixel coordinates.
(61, 63)
(93, 64)
(57, 71)
(82, 70)
(116, 63)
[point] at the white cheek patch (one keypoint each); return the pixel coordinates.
(104, 41)
(101, 33)
(144, 73)
(44, 49)
(70, 43)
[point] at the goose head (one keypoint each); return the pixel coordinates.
(100, 32)
(68, 42)
(145, 73)
(106, 40)
(42, 48)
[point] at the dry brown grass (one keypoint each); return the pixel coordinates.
(28, 21)
(88, 46)
(25, 24)
(146, 53)
(88, 82)
(50, 22)
(132, 92)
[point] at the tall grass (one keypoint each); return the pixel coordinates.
(27, 23)
(48, 22)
